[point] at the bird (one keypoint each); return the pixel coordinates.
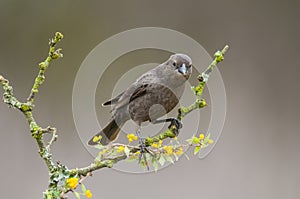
(162, 85)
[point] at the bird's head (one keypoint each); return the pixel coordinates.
(182, 64)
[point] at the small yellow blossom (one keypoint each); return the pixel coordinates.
(179, 151)
(88, 193)
(72, 182)
(137, 153)
(157, 145)
(121, 149)
(201, 136)
(131, 137)
(97, 138)
(168, 149)
(210, 141)
(175, 138)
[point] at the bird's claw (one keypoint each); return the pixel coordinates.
(175, 125)
(175, 122)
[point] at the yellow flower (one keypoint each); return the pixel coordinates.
(97, 138)
(72, 182)
(88, 193)
(201, 136)
(121, 149)
(175, 138)
(137, 153)
(210, 141)
(168, 149)
(179, 151)
(131, 137)
(157, 145)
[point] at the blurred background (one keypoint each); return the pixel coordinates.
(257, 155)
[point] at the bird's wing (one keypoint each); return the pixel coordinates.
(137, 89)
(140, 91)
(114, 100)
(132, 93)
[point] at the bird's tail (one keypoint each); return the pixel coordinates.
(108, 134)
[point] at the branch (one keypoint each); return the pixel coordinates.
(27, 107)
(52, 54)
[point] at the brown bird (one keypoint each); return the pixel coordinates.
(163, 85)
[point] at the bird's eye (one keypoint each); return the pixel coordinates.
(174, 63)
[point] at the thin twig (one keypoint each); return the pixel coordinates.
(53, 54)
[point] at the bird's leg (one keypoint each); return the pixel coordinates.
(173, 120)
(143, 148)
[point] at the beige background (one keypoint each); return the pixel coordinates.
(258, 153)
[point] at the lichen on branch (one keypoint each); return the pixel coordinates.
(53, 54)
(27, 107)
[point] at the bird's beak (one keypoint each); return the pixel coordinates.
(182, 69)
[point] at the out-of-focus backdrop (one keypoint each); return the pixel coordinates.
(257, 155)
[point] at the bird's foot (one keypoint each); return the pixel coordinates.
(175, 122)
